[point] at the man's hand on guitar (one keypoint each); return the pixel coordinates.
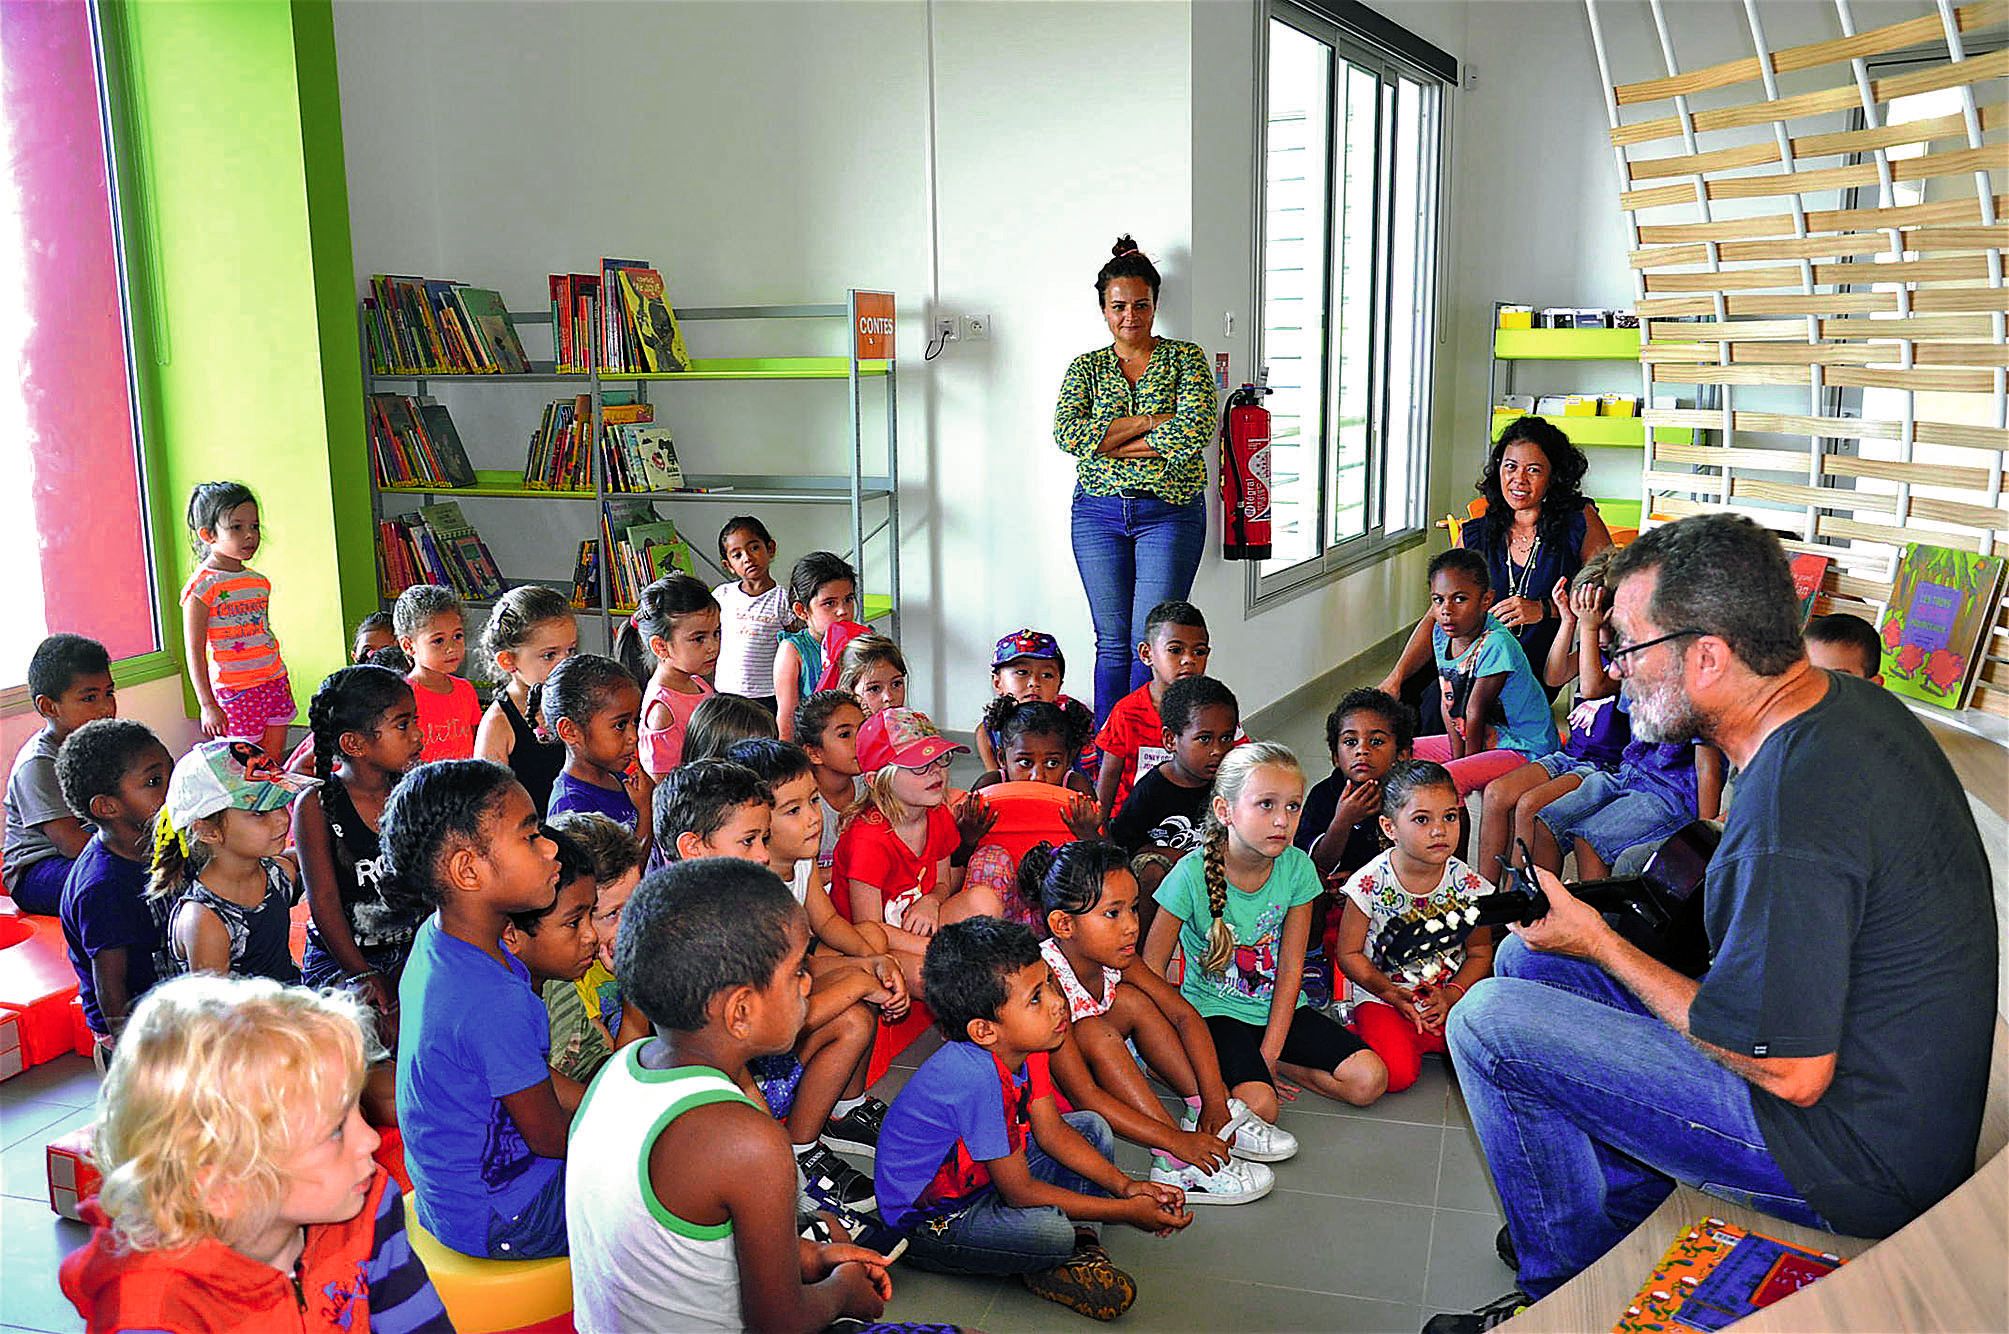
(1571, 926)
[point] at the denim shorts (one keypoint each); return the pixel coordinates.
(1560, 764)
(1611, 818)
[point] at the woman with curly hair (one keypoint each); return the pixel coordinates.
(1537, 532)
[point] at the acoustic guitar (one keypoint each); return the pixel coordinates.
(1659, 910)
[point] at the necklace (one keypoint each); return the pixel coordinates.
(1517, 583)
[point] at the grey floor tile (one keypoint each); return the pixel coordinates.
(1465, 1270)
(1465, 1183)
(24, 1172)
(941, 1298)
(19, 1120)
(1317, 1243)
(67, 1079)
(33, 1242)
(1372, 1160)
(1167, 1300)
(1456, 1113)
(1422, 1103)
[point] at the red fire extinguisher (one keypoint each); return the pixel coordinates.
(1245, 475)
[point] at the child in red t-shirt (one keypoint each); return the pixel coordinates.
(892, 863)
(432, 630)
(1132, 740)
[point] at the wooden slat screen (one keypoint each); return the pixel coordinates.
(1819, 271)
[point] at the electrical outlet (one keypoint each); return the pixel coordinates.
(945, 329)
(976, 328)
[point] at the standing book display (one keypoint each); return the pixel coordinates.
(1942, 604)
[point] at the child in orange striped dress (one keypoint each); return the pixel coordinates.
(233, 658)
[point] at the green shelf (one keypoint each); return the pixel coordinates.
(490, 482)
(1619, 513)
(1602, 432)
(756, 368)
(1566, 344)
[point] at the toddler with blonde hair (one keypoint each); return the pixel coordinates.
(239, 1188)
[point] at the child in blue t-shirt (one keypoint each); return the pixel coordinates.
(595, 707)
(114, 774)
(976, 1163)
(484, 1117)
(1496, 712)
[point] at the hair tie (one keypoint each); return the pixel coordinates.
(165, 833)
(1133, 250)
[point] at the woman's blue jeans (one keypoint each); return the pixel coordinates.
(1589, 1109)
(1134, 552)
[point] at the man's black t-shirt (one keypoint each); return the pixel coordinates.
(1850, 910)
(1160, 814)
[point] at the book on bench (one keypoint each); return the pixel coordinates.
(1715, 1274)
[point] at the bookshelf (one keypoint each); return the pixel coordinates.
(871, 498)
(1620, 346)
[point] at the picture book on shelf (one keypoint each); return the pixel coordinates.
(1943, 605)
(494, 327)
(1808, 572)
(660, 338)
(436, 545)
(414, 443)
(431, 326)
(1717, 1273)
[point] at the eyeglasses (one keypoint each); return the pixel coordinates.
(939, 762)
(1619, 658)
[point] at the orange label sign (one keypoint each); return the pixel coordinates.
(873, 332)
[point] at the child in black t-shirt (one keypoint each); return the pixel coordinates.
(1365, 735)
(1161, 822)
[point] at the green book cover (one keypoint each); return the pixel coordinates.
(1943, 604)
(495, 328)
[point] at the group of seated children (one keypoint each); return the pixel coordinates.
(626, 911)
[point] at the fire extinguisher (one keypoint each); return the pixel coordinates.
(1245, 474)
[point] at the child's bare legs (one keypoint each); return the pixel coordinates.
(1590, 866)
(907, 949)
(1527, 820)
(1260, 1096)
(1498, 807)
(380, 1094)
(831, 1056)
(1133, 1015)
(1359, 1080)
(972, 901)
(274, 741)
(1109, 1062)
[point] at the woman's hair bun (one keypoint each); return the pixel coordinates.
(1125, 245)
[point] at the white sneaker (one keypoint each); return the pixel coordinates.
(1248, 1135)
(1234, 1182)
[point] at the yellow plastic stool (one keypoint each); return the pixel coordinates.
(490, 1296)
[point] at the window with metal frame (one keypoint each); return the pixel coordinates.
(1352, 154)
(75, 533)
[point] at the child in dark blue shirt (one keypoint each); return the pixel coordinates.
(484, 1117)
(113, 774)
(595, 707)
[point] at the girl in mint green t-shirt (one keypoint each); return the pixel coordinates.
(1239, 907)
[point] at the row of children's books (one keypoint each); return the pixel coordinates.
(436, 545)
(646, 547)
(636, 454)
(435, 327)
(413, 443)
(619, 320)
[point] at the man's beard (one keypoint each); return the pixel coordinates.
(1666, 714)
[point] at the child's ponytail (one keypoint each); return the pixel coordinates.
(656, 613)
(208, 504)
(516, 614)
(177, 861)
(1066, 879)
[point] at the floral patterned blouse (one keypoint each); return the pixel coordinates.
(1094, 393)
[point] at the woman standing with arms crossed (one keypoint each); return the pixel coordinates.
(1138, 415)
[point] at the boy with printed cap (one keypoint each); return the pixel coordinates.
(1027, 665)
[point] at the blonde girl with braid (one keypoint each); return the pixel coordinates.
(363, 724)
(1240, 907)
(530, 632)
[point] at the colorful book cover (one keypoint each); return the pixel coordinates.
(445, 437)
(654, 322)
(1943, 604)
(658, 455)
(1716, 1274)
(495, 330)
(1808, 572)
(611, 309)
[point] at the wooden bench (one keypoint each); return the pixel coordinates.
(1948, 1270)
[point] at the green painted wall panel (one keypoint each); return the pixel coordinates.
(254, 351)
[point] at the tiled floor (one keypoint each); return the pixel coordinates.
(1385, 1215)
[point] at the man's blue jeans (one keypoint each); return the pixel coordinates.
(1134, 552)
(1589, 1110)
(988, 1236)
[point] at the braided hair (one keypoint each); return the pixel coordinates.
(1066, 879)
(1232, 777)
(352, 699)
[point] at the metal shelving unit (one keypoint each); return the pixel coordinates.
(855, 489)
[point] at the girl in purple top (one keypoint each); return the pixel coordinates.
(595, 707)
